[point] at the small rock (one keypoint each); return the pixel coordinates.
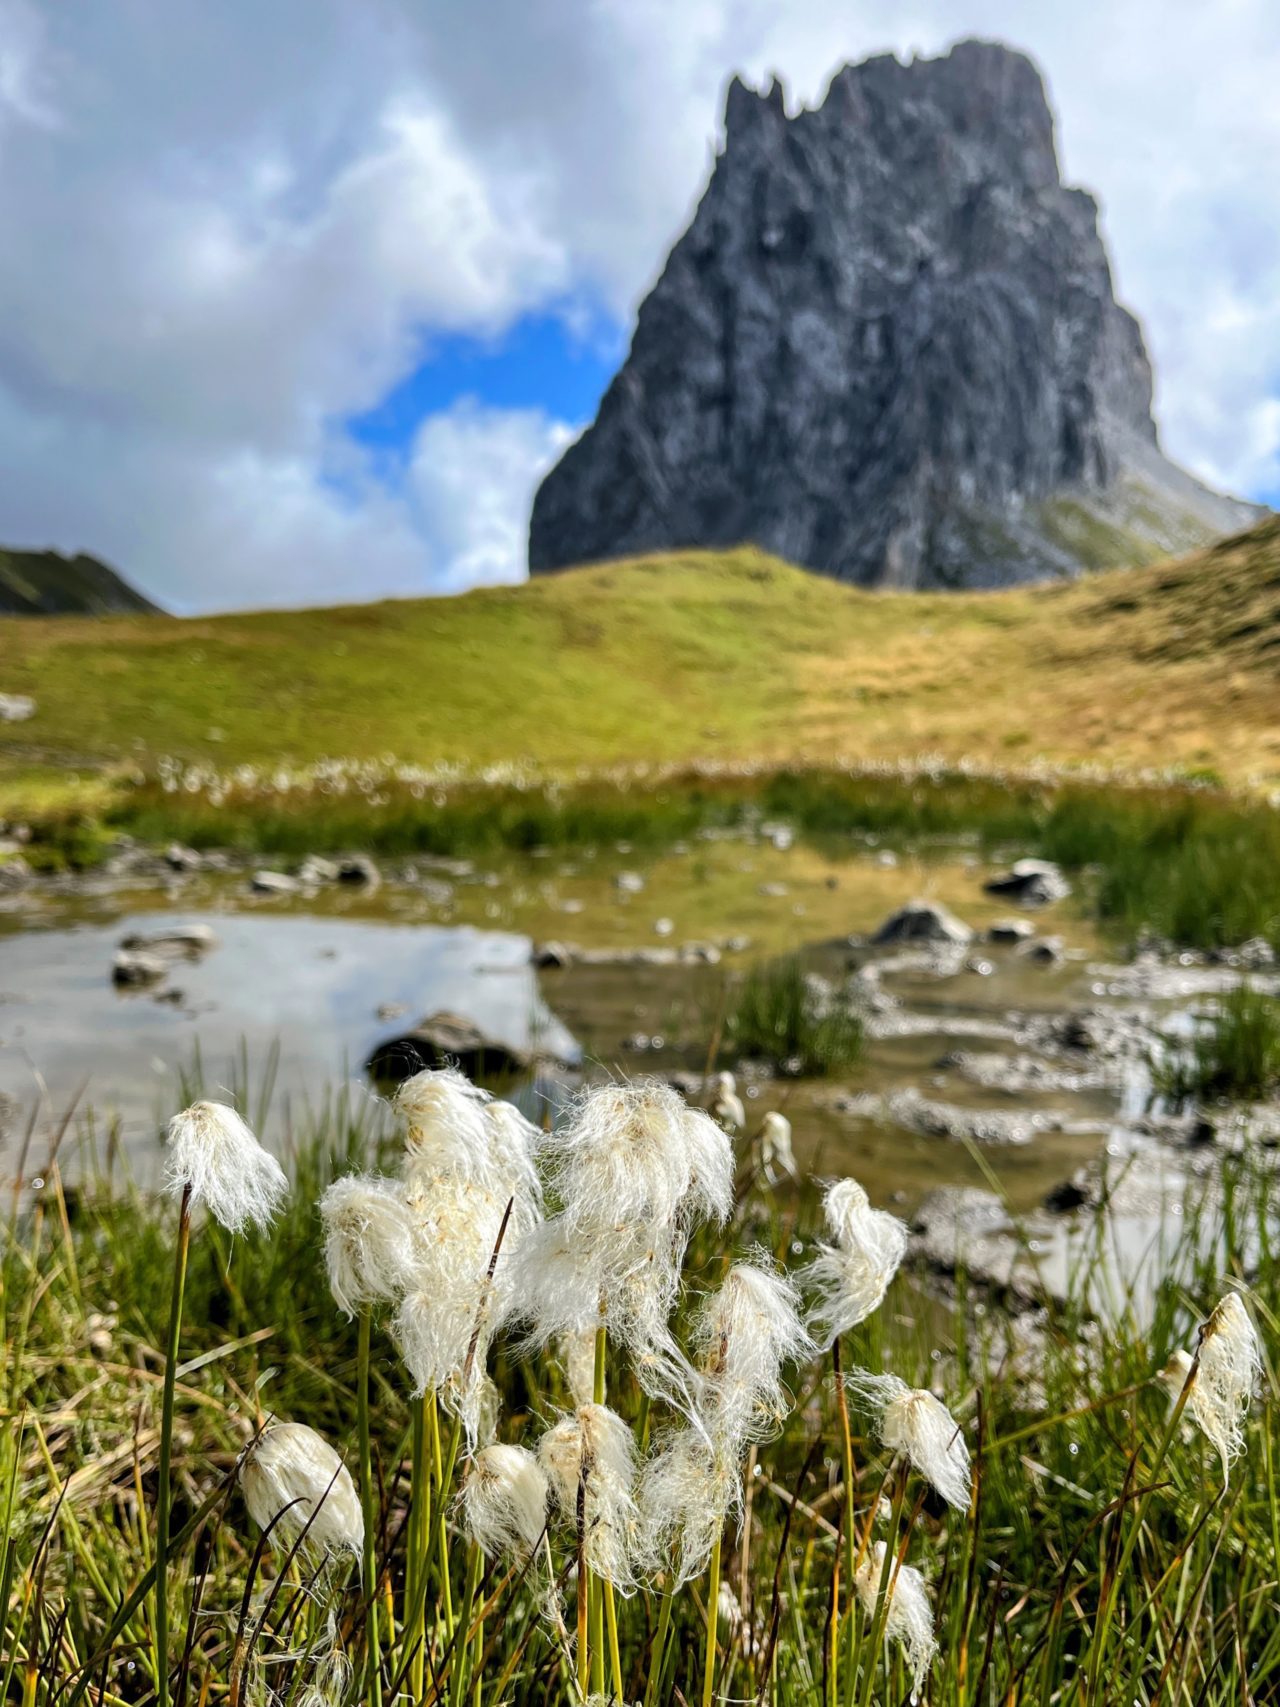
(1072, 1194)
(699, 954)
(629, 882)
(774, 891)
(923, 921)
(445, 1039)
(1257, 954)
(1043, 951)
(273, 883)
(189, 940)
(390, 1010)
(359, 870)
(316, 870)
(16, 707)
(179, 858)
(547, 954)
(15, 873)
(1010, 930)
(1030, 883)
(134, 971)
(887, 858)
(663, 927)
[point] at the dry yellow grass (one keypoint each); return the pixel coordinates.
(732, 656)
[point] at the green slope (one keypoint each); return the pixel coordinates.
(733, 656)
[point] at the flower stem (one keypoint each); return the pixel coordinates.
(713, 1620)
(415, 1587)
(615, 1652)
(369, 1567)
(166, 1450)
(658, 1652)
(850, 1528)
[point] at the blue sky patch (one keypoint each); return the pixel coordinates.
(539, 363)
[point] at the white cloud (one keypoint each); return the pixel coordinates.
(227, 228)
(472, 474)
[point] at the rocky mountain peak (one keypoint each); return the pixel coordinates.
(888, 348)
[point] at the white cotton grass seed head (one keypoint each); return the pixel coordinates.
(1222, 1387)
(726, 1104)
(369, 1241)
(908, 1618)
(446, 1130)
(291, 1472)
(514, 1143)
(592, 1451)
(912, 1421)
(636, 1155)
(1173, 1377)
(851, 1275)
(634, 1169)
(504, 1501)
(576, 1355)
(743, 1336)
(211, 1152)
(776, 1154)
(689, 1489)
(446, 1321)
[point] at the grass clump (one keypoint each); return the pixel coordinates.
(779, 1015)
(1235, 1057)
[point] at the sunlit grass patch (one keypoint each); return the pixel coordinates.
(776, 1015)
(1235, 1055)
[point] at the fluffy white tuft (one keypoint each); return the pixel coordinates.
(472, 1189)
(369, 1243)
(446, 1321)
(445, 1124)
(726, 1104)
(634, 1169)
(589, 1456)
(743, 1335)
(504, 1500)
(689, 1489)
(908, 1617)
(576, 1353)
(851, 1275)
(289, 1473)
(637, 1155)
(912, 1421)
(1222, 1386)
(776, 1154)
(212, 1152)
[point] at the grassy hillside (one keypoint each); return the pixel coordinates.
(45, 583)
(734, 656)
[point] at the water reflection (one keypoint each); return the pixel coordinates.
(314, 986)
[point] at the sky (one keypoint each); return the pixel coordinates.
(298, 301)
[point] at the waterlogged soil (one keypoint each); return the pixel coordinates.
(975, 1072)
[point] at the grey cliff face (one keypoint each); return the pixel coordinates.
(887, 348)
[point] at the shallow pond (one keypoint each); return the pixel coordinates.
(324, 976)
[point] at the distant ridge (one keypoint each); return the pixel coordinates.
(45, 583)
(887, 348)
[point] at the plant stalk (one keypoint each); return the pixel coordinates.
(713, 1620)
(369, 1566)
(161, 1622)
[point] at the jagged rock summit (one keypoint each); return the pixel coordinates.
(888, 348)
